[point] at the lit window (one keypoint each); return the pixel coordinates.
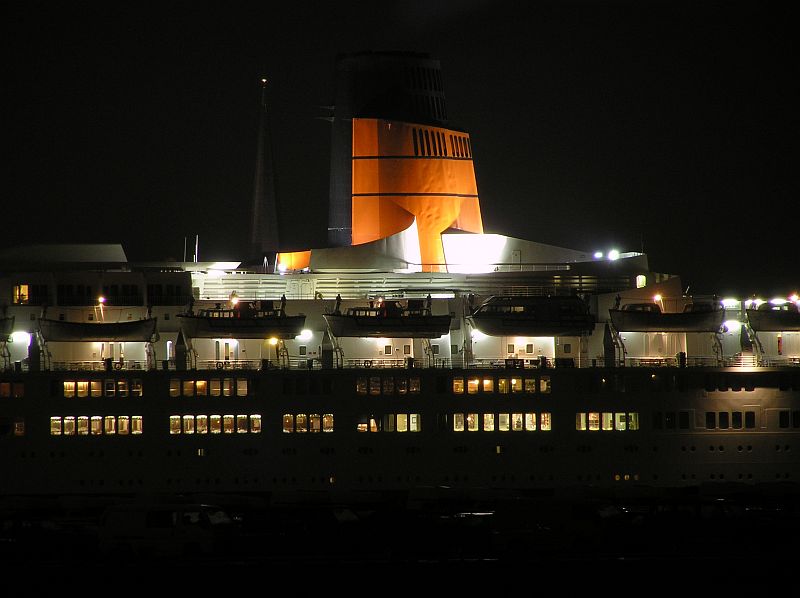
(503, 422)
(188, 388)
(545, 421)
(174, 387)
(123, 425)
(97, 425)
(472, 422)
(516, 422)
(472, 385)
(174, 424)
(110, 388)
(620, 421)
(188, 424)
(544, 384)
(216, 388)
(122, 388)
(227, 387)
(502, 385)
(227, 424)
(414, 422)
(201, 388)
(374, 385)
(458, 386)
(402, 422)
(55, 426)
(362, 427)
(216, 424)
(82, 388)
(136, 387)
(516, 384)
(136, 424)
(201, 424)
(327, 422)
(69, 426)
(96, 388)
(641, 281)
(388, 385)
(301, 423)
(530, 422)
(19, 427)
(255, 424)
(109, 424)
(633, 421)
(375, 424)
(580, 421)
(389, 422)
(83, 425)
(608, 421)
(414, 385)
(21, 294)
(288, 423)
(458, 422)
(314, 423)
(241, 387)
(69, 389)
(594, 421)
(488, 422)
(241, 424)
(488, 385)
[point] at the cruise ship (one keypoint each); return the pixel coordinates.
(415, 357)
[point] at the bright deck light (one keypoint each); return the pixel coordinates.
(598, 255)
(305, 335)
(730, 303)
(21, 337)
(273, 341)
(613, 255)
(477, 335)
(732, 325)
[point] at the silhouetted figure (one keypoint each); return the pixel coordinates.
(428, 302)
(283, 305)
(337, 307)
(617, 301)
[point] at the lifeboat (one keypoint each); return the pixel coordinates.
(260, 320)
(648, 317)
(126, 331)
(533, 316)
(774, 318)
(389, 319)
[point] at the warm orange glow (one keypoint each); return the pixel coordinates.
(294, 260)
(392, 184)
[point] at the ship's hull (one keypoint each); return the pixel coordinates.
(773, 321)
(242, 328)
(130, 331)
(642, 321)
(386, 327)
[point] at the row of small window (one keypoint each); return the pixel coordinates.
(14, 390)
(391, 422)
(215, 424)
(733, 420)
(216, 387)
(387, 385)
(502, 422)
(95, 425)
(477, 384)
(307, 422)
(12, 426)
(606, 420)
(100, 388)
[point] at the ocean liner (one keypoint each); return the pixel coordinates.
(413, 357)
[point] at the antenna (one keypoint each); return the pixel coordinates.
(196, 248)
(184, 249)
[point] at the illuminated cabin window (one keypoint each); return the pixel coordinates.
(374, 385)
(188, 424)
(488, 422)
(607, 421)
(69, 389)
(502, 386)
(473, 422)
(188, 388)
(201, 388)
(227, 424)
(544, 384)
(516, 384)
(594, 421)
(255, 424)
(19, 427)
(545, 421)
(288, 423)
(216, 424)
(620, 421)
(327, 422)
(361, 385)
(241, 387)
(82, 388)
(414, 385)
(388, 385)
(530, 422)
(69, 426)
(389, 422)
(83, 425)
(633, 421)
(580, 421)
(472, 385)
(458, 422)
(402, 422)
(301, 423)
(174, 387)
(20, 296)
(136, 387)
(503, 422)
(96, 388)
(123, 425)
(55, 426)
(241, 424)
(174, 424)
(109, 424)
(216, 387)
(517, 422)
(488, 385)
(97, 425)
(136, 424)
(110, 388)
(402, 386)
(641, 281)
(227, 387)
(122, 388)
(201, 424)
(458, 386)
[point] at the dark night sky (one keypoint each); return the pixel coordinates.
(593, 123)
